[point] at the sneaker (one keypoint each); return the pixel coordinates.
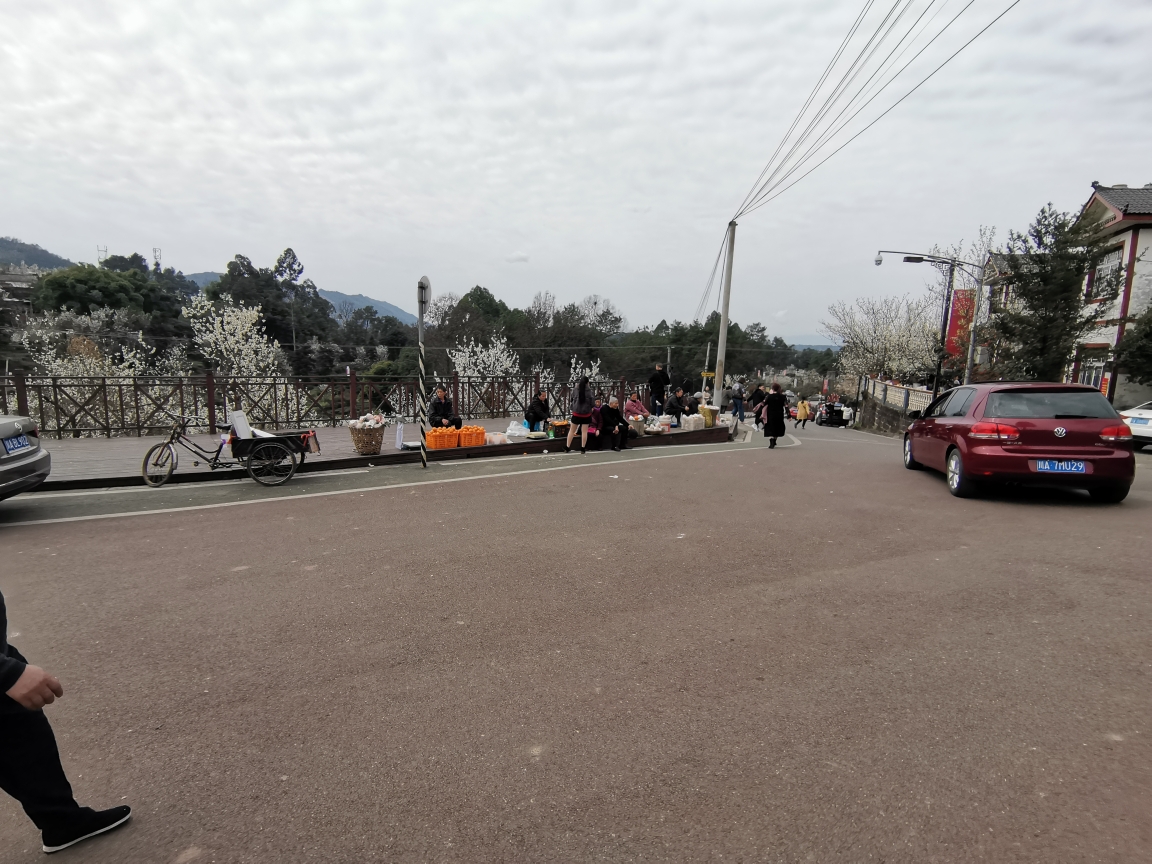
(88, 825)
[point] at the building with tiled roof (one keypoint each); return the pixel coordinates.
(1125, 216)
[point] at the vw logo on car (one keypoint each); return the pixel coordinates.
(1059, 431)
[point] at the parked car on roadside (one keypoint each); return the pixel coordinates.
(24, 464)
(1139, 420)
(833, 414)
(1032, 433)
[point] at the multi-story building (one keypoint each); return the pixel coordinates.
(1126, 216)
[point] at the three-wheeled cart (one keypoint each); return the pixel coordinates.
(271, 458)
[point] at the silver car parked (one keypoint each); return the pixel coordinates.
(24, 464)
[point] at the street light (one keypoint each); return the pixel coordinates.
(953, 263)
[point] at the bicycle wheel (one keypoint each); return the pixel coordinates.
(159, 464)
(271, 463)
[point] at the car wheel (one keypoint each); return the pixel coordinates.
(910, 463)
(1109, 494)
(959, 483)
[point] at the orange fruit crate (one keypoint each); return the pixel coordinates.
(443, 439)
(472, 436)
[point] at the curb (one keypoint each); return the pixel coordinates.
(715, 435)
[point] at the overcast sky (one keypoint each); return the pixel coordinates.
(574, 147)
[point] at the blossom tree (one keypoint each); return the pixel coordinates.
(69, 344)
(474, 360)
(231, 337)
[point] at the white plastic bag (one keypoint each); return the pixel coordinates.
(516, 430)
(495, 438)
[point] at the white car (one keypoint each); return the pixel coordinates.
(1139, 420)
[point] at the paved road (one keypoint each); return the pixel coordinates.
(724, 653)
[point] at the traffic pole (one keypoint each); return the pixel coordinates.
(423, 289)
(722, 346)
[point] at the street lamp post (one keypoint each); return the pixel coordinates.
(953, 263)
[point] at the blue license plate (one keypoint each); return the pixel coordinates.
(16, 443)
(1061, 466)
(1140, 421)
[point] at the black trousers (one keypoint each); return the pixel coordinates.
(619, 435)
(30, 769)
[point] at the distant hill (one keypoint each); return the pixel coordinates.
(13, 251)
(359, 300)
(203, 279)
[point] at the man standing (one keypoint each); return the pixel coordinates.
(656, 385)
(30, 769)
(738, 400)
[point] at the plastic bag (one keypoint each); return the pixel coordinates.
(516, 430)
(495, 438)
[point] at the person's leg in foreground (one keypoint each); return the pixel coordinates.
(30, 771)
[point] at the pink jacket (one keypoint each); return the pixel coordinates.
(633, 407)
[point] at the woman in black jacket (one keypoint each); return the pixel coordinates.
(774, 409)
(582, 407)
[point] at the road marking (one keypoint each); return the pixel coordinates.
(359, 490)
(184, 487)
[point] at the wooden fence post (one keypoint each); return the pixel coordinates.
(353, 394)
(210, 388)
(21, 393)
(456, 396)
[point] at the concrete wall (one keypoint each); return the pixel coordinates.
(875, 416)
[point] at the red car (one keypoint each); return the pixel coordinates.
(1053, 434)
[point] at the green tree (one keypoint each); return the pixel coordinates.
(294, 312)
(1134, 353)
(1045, 310)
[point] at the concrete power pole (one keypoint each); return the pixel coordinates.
(725, 297)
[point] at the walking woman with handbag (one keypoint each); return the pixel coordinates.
(582, 407)
(775, 409)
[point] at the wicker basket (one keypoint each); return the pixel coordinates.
(367, 442)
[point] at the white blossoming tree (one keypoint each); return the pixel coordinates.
(101, 344)
(474, 360)
(231, 337)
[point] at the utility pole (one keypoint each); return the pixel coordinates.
(722, 346)
(668, 368)
(977, 305)
(944, 327)
(423, 289)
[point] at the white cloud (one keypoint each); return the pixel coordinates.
(517, 258)
(614, 140)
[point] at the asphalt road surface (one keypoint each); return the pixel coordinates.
(713, 653)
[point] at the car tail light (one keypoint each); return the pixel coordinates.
(1116, 433)
(34, 432)
(995, 432)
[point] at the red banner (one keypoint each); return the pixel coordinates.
(959, 322)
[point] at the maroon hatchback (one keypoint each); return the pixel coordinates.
(1052, 434)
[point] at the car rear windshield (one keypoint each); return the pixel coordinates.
(1049, 405)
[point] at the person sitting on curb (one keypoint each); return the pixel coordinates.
(692, 403)
(613, 427)
(674, 407)
(634, 407)
(596, 427)
(440, 411)
(537, 414)
(30, 769)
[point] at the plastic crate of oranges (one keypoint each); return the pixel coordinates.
(442, 439)
(472, 436)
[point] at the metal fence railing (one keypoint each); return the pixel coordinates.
(903, 399)
(106, 407)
